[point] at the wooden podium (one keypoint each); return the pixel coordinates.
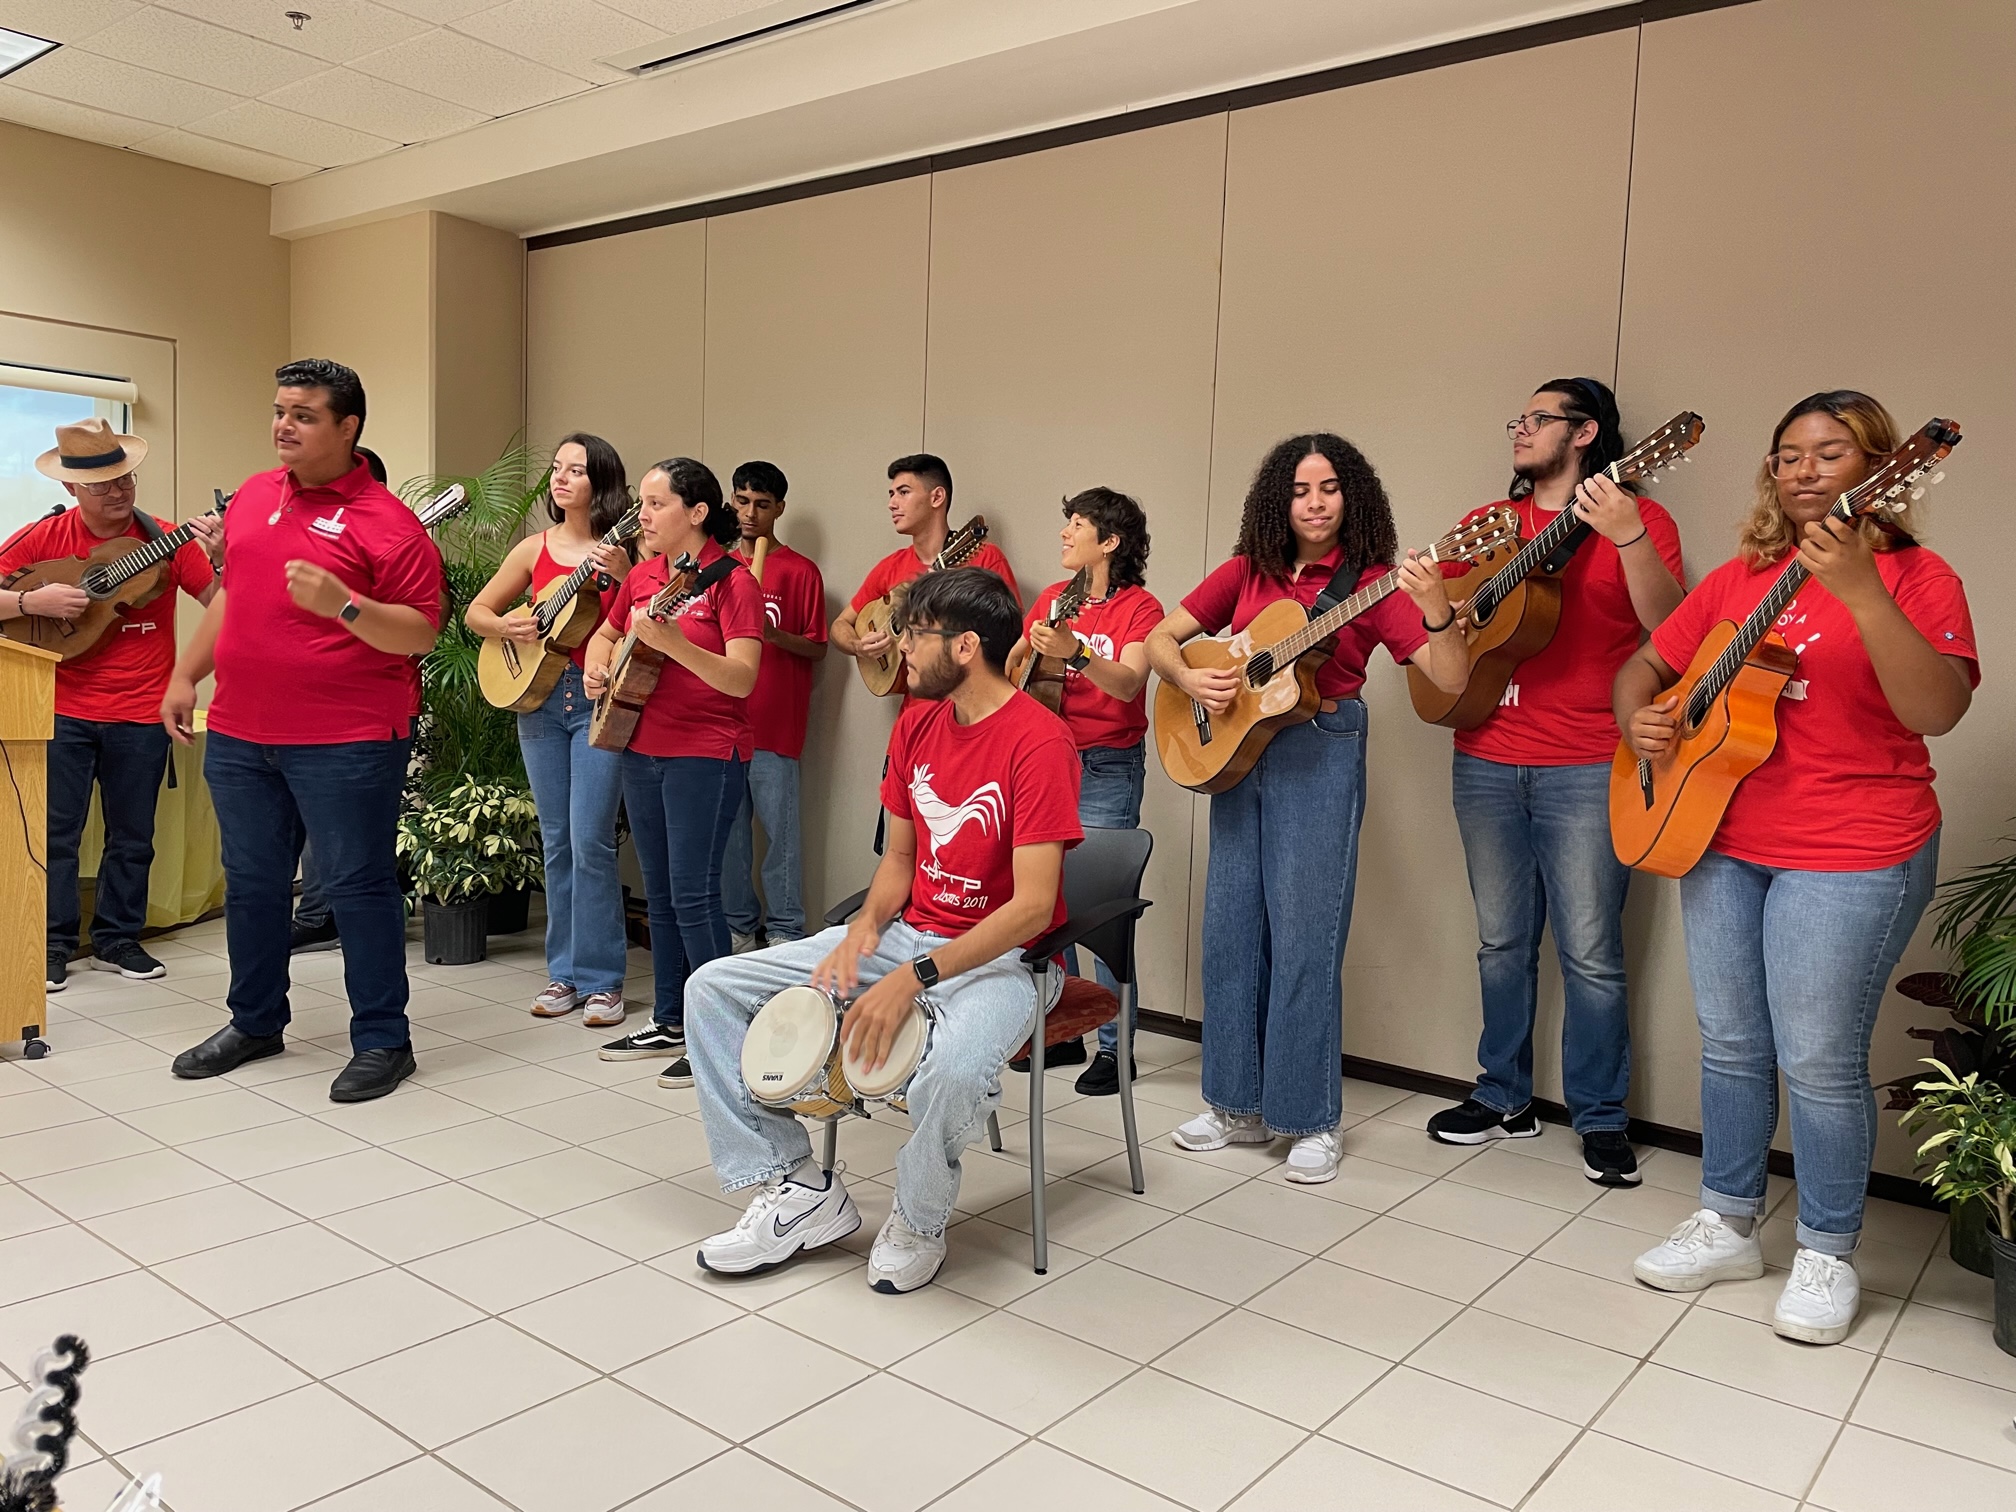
(27, 721)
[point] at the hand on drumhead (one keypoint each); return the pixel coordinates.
(869, 1029)
(840, 972)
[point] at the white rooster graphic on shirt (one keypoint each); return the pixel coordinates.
(945, 820)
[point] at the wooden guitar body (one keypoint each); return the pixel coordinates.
(1663, 813)
(633, 678)
(885, 675)
(1521, 626)
(71, 639)
(520, 677)
(1209, 753)
(1043, 680)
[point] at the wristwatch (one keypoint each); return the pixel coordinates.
(1080, 659)
(351, 611)
(927, 971)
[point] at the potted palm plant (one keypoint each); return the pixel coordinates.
(1975, 1145)
(463, 848)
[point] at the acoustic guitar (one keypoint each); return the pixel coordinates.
(442, 508)
(1277, 657)
(1663, 812)
(1043, 676)
(885, 674)
(1511, 602)
(635, 668)
(519, 677)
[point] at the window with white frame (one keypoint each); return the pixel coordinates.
(33, 402)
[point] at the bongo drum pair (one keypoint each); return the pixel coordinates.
(793, 1060)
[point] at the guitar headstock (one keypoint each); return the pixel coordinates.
(223, 500)
(624, 529)
(1902, 476)
(443, 507)
(966, 540)
(1660, 450)
(679, 579)
(1075, 595)
(1493, 531)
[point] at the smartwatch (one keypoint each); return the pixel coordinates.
(351, 611)
(1080, 659)
(927, 971)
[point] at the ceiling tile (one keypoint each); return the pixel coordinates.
(268, 128)
(223, 157)
(338, 32)
(674, 16)
(569, 34)
(440, 11)
(107, 84)
(63, 20)
(65, 119)
(374, 105)
(190, 49)
(470, 73)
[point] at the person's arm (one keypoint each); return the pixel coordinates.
(1213, 687)
(595, 660)
(1647, 720)
(1446, 656)
(1614, 515)
(731, 671)
(1119, 677)
(207, 533)
(62, 601)
(197, 661)
(395, 629)
(888, 891)
(487, 614)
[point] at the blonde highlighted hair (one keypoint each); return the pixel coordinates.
(1767, 534)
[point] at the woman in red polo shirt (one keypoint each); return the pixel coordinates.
(687, 765)
(1284, 842)
(1825, 858)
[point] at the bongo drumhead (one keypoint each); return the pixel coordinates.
(788, 1044)
(905, 1051)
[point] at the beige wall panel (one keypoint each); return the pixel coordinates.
(1790, 234)
(1403, 260)
(815, 361)
(1073, 327)
(479, 343)
(614, 342)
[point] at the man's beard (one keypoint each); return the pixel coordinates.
(940, 680)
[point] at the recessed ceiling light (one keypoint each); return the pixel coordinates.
(18, 49)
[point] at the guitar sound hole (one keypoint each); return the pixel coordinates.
(97, 582)
(1260, 669)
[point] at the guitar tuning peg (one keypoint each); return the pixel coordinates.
(1939, 477)
(1917, 494)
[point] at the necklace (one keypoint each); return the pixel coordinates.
(286, 503)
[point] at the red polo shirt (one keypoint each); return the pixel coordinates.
(685, 714)
(794, 600)
(903, 564)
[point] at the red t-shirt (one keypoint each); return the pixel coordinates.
(289, 677)
(794, 600)
(685, 715)
(546, 570)
(902, 564)
(1556, 710)
(1847, 788)
(120, 680)
(1108, 626)
(975, 792)
(1233, 594)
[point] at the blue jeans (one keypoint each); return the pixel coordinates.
(1788, 970)
(126, 761)
(1277, 907)
(1537, 843)
(773, 799)
(1109, 797)
(680, 808)
(343, 798)
(576, 788)
(312, 910)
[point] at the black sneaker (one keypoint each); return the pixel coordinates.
(1473, 1123)
(306, 935)
(1607, 1159)
(678, 1074)
(129, 960)
(58, 975)
(1102, 1077)
(372, 1074)
(1063, 1053)
(659, 1041)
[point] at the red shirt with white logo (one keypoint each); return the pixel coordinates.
(1107, 626)
(903, 564)
(286, 676)
(975, 792)
(1236, 591)
(1847, 787)
(685, 714)
(1556, 710)
(794, 600)
(121, 680)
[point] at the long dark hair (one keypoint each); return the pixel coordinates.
(609, 497)
(695, 483)
(1113, 513)
(1266, 531)
(1585, 399)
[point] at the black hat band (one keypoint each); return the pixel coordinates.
(111, 458)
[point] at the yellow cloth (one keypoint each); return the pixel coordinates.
(188, 876)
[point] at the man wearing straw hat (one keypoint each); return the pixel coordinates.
(108, 700)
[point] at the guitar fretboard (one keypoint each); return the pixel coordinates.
(548, 614)
(1549, 539)
(152, 554)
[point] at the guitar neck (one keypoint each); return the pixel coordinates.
(1292, 648)
(549, 613)
(1549, 539)
(1756, 625)
(154, 552)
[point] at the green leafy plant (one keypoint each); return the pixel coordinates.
(1977, 922)
(471, 839)
(1975, 1142)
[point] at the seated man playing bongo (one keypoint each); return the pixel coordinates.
(992, 778)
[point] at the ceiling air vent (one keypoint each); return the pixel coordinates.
(762, 21)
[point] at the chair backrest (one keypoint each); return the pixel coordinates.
(1108, 864)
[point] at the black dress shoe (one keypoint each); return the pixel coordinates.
(372, 1073)
(1063, 1053)
(1102, 1077)
(226, 1050)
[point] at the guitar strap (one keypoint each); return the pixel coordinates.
(1338, 589)
(1558, 558)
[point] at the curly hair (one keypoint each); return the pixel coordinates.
(694, 482)
(1113, 513)
(1767, 535)
(1266, 531)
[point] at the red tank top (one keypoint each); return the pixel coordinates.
(545, 570)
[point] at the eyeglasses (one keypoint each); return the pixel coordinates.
(908, 631)
(1531, 424)
(124, 484)
(1833, 460)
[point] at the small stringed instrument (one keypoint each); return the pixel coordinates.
(1664, 812)
(635, 668)
(443, 507)
(1043, 676)
(1511, 601)
(885, 674)
(520, 677)
(1277, 657)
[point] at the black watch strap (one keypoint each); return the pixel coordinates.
(926, 969)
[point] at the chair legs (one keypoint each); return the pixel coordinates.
(1124, 1054)
(994, 1132)
(1038, 1217)
(832, 1145)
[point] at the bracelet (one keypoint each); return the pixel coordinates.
(1636, 538)
(1438, 629)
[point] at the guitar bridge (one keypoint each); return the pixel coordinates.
(1645, 781)
(1201, 717)
(511, 658)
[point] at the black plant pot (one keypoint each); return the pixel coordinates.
(510, 910)
(1969, 1242)
(2005, 1291)
(452, 934)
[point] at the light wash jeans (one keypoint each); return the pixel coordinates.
(1788, 970)
(773, 798)
(1536, 840)
(1110, 779)
(1277, 907)
(982, 1017)
(576, 789)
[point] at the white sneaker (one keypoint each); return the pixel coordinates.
(1820, 1299)
(1212, 1130)
(1313, 1159)
(784, 1218)
(1700, 1252)
(903, 1259)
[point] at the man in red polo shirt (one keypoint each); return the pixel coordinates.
(330, 586)
(108, 700)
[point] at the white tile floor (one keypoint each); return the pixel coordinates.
(479, 1294)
